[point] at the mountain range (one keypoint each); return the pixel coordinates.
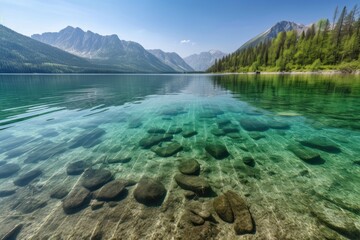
(271, 33)
(171, 59)
(203, 60)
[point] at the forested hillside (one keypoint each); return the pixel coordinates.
(325, 45)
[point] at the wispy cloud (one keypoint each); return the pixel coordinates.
(185, 41)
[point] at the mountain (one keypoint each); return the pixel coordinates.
(271, 33)
(109, 50)
(171, 59)
(204, 60)
(21, 54)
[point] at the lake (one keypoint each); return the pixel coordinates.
(180, 156)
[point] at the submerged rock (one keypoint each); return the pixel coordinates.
(93, 179)
(230, 129)
(8, 169)
(135, 123)
(223, 209)
(174, 131)
(26, 178)
(256, 135)
(76, 168)
(208, 115)
(7, 192)
(218, 151)
(29, 205)
(223, 122)
(2, 163)
(195, 219)
(305, 154)
(189, 167)
(11, 234)
(45, 152)
(254, 125)
(87, 139)
(152, 140)
(249, 161)
(193, 183)
(118, 160)
(243, 220)
(218, 132)
(149, 191)
(278, 125)
(59, 192)
(189, 133)
(111, 190)
(167, 149)
(156, 130)
(322, 143)
(77, 198)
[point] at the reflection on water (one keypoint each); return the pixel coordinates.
(153, 156)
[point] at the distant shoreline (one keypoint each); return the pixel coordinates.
(330, 72)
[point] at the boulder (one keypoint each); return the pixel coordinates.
(193, 183)
(250, 161)
(195, 219)
(306, 155)
(218, 151)
(76, 200)
(111, 191)
(76, 168)
(230, 129)
(156, 130)
(223, 122)
(29, 205)
(7, 192)
(189, 133)
(243, 220)
(59, 192)
(174, 130)
(218, 132)
(11, 233)
(256, 135)
(223, 209)
(26, 178)
(8, 169)
(322, 143)
(149, 192)
(278, 125)
(167, 149)
(93, 179)
(87, 139)
(253, 125)
(118, 160)
(152, 140)
(189, 167)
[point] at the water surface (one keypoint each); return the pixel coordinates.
(50, 121)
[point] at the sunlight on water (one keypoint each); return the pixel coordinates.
(287, 145)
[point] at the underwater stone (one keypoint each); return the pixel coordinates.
(193, 183)
(135, 123)
(230, 129)
(2, 163)
(189, 133)
(243, 220)
(111, 190)
(87, 140)
(76, 168)
(96, 205)
(93, 179)
(152, 140)
(174, 131)
(218, 132)
(45, 152)
(189, 167)
(223, 209)
(207, 115)
(195, 219)
(322, 143)
(256, 135)
(223, 122)
(26, 178)
(306, 155)
(167, 149)
(59, 192)
(249, 161)
(119, 160)
(8, 169)
(189, 194)
(254, 125)
(12, 233)
(76, 199)
(218, 151)
(149, 191)
(7, 192)
(235, 136)
(156, 130)
(202, 213)
(278, 125)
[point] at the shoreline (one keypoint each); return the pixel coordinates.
(329, 72)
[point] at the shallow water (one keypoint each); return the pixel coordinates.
(50, 121)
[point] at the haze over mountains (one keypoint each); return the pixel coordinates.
(203, 60)
(74, 50)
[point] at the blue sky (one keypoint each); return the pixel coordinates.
(183, 26)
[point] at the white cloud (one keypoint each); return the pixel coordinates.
(185, 41)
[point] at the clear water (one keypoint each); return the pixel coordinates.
(42, 116)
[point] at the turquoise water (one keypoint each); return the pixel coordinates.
(292, 147)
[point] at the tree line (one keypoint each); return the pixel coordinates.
(324, 45)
